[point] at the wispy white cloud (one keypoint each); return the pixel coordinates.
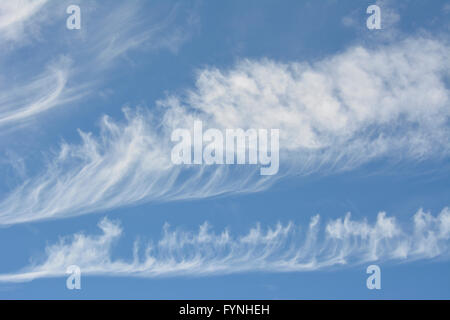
(390, 18)
(128, 163)
(16, 16)
(391, 102)
(108, 33)
(375, 97)
(446, 8)
(281, 248)
(389, 15)
(46, 91)
(127, 28)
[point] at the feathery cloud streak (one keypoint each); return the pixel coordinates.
(335, 114)
(105, 36)
(45, 91)
(282, 248)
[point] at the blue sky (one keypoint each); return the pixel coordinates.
(86, 176)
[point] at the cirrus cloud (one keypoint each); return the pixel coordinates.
(281, 248)
(388, 102)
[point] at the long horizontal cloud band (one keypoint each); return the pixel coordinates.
(336, 114)
(281, 248)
